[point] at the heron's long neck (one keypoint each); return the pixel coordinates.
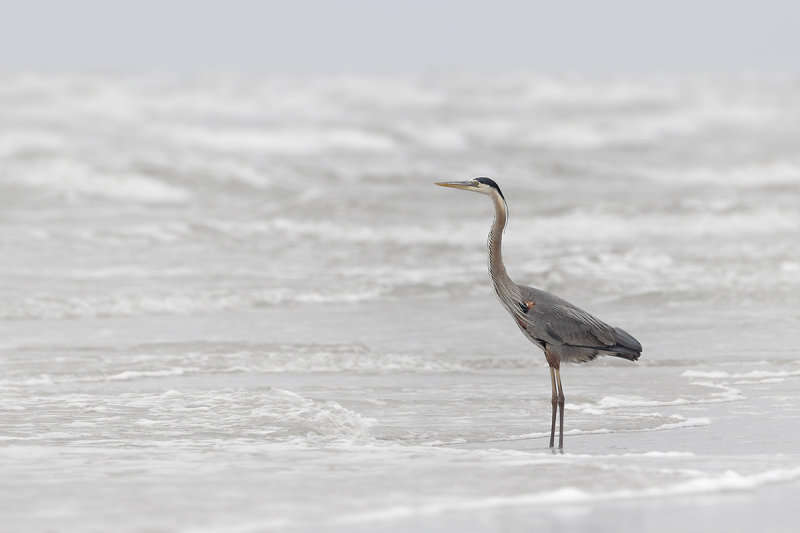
(497, 269)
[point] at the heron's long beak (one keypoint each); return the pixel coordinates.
(456, 184)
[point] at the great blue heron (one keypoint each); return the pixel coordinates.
(563, 331)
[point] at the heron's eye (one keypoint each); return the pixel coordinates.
(476, 183)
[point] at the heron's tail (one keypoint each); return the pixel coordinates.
(625, 355)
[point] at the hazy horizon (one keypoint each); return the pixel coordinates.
(313, 36)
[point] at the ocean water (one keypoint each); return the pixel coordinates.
(238, 303)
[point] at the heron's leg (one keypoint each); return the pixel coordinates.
(561, 411)
(554, 399)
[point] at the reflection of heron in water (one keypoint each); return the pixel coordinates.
(563, 331)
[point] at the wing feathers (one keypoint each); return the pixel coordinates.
(558, 322)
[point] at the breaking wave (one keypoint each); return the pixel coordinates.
(704, 484)
(42, 366)
(135, 303)
(269, 415)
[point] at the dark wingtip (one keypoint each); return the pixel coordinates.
(627, 340)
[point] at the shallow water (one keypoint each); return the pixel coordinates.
(239, 303)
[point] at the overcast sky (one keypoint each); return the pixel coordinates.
(400, 36)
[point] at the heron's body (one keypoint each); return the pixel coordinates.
(562, 330)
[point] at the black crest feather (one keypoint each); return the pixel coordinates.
(491, 183)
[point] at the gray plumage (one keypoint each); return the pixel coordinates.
(562, 330)
(571, 332)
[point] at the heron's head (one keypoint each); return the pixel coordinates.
(482, 185)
